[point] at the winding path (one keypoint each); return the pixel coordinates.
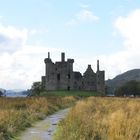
(44, 130)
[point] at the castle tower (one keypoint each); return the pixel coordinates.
(70, 74)
(100, 79)
(49, 55)
(48, 63)
(45, 78)
(63, 57)
(97, 65)
(48, 81)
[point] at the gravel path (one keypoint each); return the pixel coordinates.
(45, 129)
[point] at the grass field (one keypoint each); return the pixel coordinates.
(70, 93)
(102, 118)
(18, 113)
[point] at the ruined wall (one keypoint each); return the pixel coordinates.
(89, 80)
(100, 76)
(63, 75)
(77, 81)
(60, 76)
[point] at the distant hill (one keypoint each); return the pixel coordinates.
(2, 92)
(121, 79)
(14, 93)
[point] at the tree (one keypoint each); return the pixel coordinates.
(36, 88)
(129, 88)
(1, 93)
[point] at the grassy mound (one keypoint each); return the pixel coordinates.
(70, 93)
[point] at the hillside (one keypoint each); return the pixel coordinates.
(13, 93)
(2, 92)
(121, 79)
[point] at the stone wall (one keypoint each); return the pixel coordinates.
(60, 76)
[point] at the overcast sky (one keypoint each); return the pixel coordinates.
(86, 30)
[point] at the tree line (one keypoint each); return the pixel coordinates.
(131, 88)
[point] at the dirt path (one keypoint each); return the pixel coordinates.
(45, 129)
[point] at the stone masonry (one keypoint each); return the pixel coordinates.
(60, 76)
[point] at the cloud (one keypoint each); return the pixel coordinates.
(86, 15)
(11, 38)
(13, 33)
(72, 22)
(126, 27)
(38, 31)
(129, 29)
(20, 63)
(128, 57)
(83, 16)
(21, 68)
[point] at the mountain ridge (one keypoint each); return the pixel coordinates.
(121, 79)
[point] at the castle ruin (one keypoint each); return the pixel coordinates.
(60, 76)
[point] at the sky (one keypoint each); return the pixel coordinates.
(86, 30)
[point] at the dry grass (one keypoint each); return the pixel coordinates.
(100, 118)
(18, 113)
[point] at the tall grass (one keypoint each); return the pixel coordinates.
(102, 119)
(18, 113)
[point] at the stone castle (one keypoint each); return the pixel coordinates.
(60, 76)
